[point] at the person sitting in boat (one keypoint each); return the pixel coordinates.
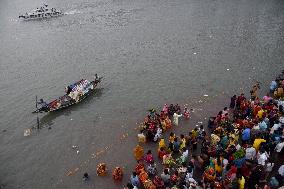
(43, 104)
(68, 90)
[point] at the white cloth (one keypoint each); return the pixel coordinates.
(238, 147)
(184, 155)
(225, 162)
(189, 175)
(275, 127)
(279, 102)
(158, 135)
(281, 119)
(190, 180)
(176, 116)
(262, 158)
(250, 153)
(279, 147)
(281, 170)
(269, 167)
(151, 169)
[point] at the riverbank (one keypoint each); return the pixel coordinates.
(240, 148)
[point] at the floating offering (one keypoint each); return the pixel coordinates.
(27, 132)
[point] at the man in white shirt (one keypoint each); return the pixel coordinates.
(281, 170)
(279, 146)
(263, 156)
(275, 127)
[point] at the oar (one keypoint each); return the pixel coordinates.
(37, 120)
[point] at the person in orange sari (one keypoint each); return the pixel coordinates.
(168, 123)
(101, 169)
(117, 174)
(138, 152)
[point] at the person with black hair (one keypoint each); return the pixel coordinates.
(86, 177)
(134, 179)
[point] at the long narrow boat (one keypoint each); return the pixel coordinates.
(75, 93)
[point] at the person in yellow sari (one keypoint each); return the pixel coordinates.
(182, 141)
(218, 165)
(172, 137)
(138, 152)
(257, 142)
(162, 143)
(241, 181)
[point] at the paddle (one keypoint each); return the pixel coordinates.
(37, 120)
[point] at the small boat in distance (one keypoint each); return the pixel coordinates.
(75, 93)
(40, 13)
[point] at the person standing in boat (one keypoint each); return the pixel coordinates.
(96, 78)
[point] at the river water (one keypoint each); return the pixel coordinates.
(149, 52)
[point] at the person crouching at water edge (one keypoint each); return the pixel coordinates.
(101, 169)
(176, 116)
(186, 113)
(117, 174)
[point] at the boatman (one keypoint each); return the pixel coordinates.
(96, 78)
(44, 106)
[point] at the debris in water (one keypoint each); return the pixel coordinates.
(206, 95)
(72, 172)
(27, 132)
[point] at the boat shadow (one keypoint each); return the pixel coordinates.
(48, 119)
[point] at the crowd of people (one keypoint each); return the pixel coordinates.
(241, 148)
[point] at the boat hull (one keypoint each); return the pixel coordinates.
(29, 17)
(69, 102)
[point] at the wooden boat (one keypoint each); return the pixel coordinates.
(67, 99)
